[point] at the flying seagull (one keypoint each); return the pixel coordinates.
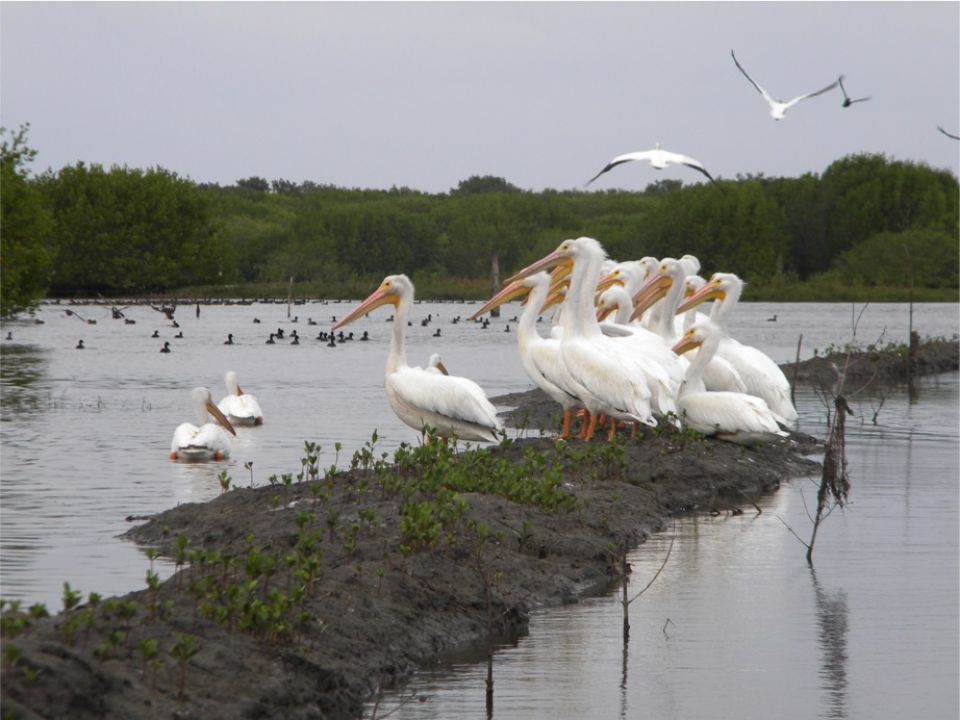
(779, 108)
(658, 158)
(955, 137)
(847, 100)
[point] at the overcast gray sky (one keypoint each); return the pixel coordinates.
(424, 95)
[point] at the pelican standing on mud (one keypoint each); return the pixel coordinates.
(449, 404)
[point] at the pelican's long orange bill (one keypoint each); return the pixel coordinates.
(710, 291)
(220, 418)
(685, 344)
(380, 296)
(547, 261)
(511, 292)
(653, 289)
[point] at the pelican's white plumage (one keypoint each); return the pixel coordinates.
(658, 158)
(778, 108)
(435, 365)
(618, 382)
(207, 440)
(733, 416)
(759, 373)
(449, 404)
(240, 408)
(539, 356)
(666, 288)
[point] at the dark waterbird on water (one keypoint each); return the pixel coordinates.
(229, 340)
(80, 345)
(772, 319)
(166, 347)
(156, 334)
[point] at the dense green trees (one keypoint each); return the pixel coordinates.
(25, 251)
(129, 231)
(866, 221)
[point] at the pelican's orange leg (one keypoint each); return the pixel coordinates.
(584, 426)
(613, 431)
(565, 426)
(218, 455)
(592, 428)
(173, 455)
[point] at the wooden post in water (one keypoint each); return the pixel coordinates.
(495, 276)
(796, 369)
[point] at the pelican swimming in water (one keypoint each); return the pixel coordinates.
(657, 158)
(210, 440)
(240, 408)
(449, 404)
(778, 108)
(436, 365)
(732, 416)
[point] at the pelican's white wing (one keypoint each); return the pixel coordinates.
(726, 413)
(241, 409)
(446, 402)
(620, 159)
(200, 443)
(793, 102)
(762, 377)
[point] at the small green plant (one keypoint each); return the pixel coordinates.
(224, 479)
(182, 651)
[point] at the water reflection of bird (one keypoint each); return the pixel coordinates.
(240, 408)
(206, 441)
(449, 404)
(166, 347)
(80, 345)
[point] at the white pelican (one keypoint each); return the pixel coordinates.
(240, 408)
(759, 373)
(209, 441)
(539, 356)
(847, 100)
(955, 137)
(658, 158)
(778, 108)
(667, 287)
(733, 416)
(435, 364)
(449, 404)
(619, 383)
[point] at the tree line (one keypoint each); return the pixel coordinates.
(85, 229)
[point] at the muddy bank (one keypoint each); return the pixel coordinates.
(300, 599)
(878, 366)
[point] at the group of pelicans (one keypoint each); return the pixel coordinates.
(628, 347)
(209, 438)
(632, 369)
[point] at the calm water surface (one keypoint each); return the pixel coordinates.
(752, 633)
